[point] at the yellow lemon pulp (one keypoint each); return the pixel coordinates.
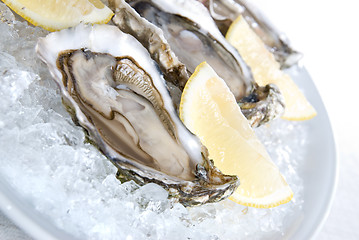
(55, 15)
(266, 69)
(210, 111)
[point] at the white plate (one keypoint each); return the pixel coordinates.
(319, 173)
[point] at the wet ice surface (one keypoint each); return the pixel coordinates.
(45, 158)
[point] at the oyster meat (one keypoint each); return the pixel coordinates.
(186, 28)
(115, 91)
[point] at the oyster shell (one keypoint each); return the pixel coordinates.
(186, 28)
(115, 91)
(224, 12)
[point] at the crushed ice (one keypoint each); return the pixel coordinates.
(45, 157)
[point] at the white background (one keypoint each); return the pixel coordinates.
(327, 33)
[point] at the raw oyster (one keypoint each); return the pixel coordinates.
(224, 12)
(115, 91)
(187, 29)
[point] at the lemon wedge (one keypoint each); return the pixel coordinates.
(266, 69)
(55, 15)
(209, 110)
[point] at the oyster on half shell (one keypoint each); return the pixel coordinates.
(224, 12)
(185, 29)
(116, 92)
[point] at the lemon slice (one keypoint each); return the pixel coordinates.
(209, 110)
(266, 69)
(55, 15)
